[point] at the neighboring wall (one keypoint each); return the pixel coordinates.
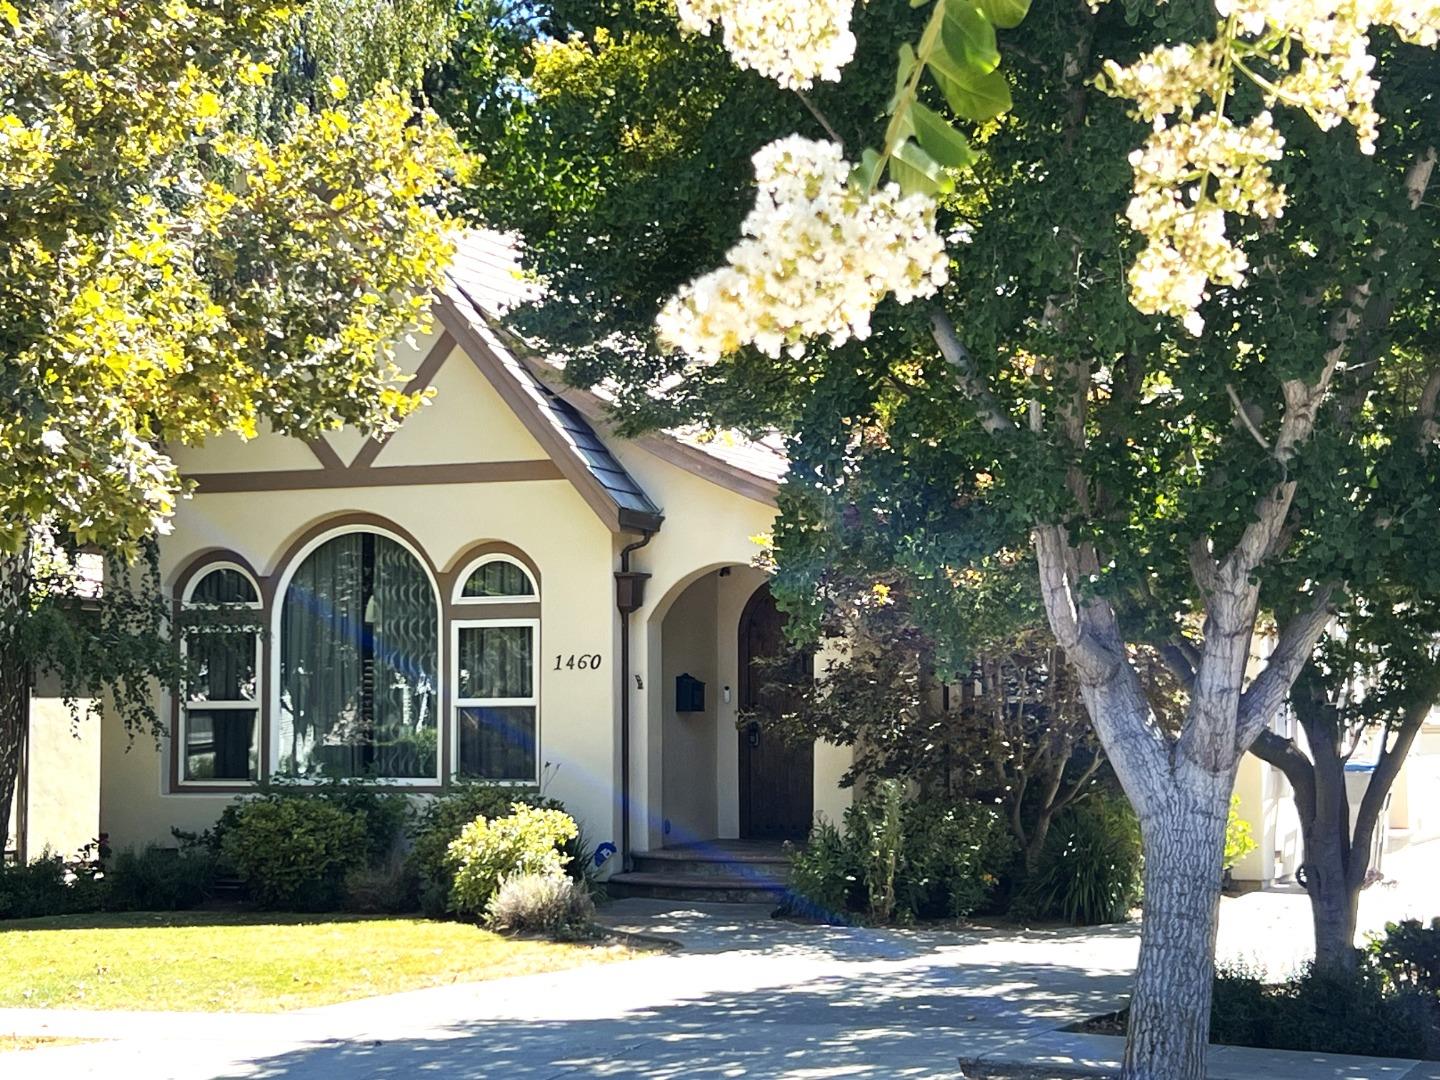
(63, 813)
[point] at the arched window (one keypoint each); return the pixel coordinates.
(359, 663)
(219, 737)
(496, 579)
(496, 680)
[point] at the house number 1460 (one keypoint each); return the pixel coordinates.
(578, 661)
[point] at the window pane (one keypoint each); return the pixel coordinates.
(358, 663)
(496, 662)
(224, 586)
(220, 744)
(497, 743)
(497, 578)
(222, 664)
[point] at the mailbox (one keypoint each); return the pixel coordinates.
(689, 694)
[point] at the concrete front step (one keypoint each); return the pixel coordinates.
(697, 888)
(768, 865)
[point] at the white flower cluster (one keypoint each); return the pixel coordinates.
(1187, 247)
(793, 42)
(1192, 170)
(815, 257)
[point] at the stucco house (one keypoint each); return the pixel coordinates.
(499, 590)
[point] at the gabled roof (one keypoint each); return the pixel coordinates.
(485, 274)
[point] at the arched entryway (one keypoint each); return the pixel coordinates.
(777, 779)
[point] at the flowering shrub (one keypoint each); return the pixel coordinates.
(490, 850)
(1193, 169)
(816, 256)
(793, 42)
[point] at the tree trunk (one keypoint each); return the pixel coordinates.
(1183, 839)
(14, 682)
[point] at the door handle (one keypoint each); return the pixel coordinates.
(752, 734)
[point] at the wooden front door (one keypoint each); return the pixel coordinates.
(777, 780)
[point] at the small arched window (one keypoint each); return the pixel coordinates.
(496, 676)
(496, 579)
(219, 736)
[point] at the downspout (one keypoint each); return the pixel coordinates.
(629, 597)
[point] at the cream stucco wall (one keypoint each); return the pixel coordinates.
(688, 740)
(63, 775)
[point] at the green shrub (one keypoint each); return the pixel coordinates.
(954, 855)
(489, 850)
(294, 852)
(875, 826)
(1239, 840)
(1408, 956)
(383, 815)
(1320, 1012)
(1089, 868)
(385, 888)
(898, 860)
(160, 879)
(822, 876)
(439, 824)
(51, 885)
(552, 904)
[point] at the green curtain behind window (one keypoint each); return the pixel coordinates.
(358, 663)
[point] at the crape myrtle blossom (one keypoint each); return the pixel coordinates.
(816, 256)
(1194, 169)
(793, 42)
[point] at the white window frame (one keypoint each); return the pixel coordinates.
(182, 742)
(489, 557)
(287, 575)
(458, 703)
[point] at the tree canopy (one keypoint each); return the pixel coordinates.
(1188, 483)
(175, 269)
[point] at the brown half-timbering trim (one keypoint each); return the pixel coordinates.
(476, 472)
(324, 453)
(424, 376)
(483, 356)
(196, 566)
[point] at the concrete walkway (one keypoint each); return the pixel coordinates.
(746, 996)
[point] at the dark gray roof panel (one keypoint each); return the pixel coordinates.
(470, 272)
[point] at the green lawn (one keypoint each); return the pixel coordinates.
(223, 961)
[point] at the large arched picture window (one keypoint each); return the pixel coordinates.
(359, 633)
(219, 737)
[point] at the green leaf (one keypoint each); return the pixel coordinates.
(916, 171)
(866, 174)
(1006, 14)
(938, 139)
(968, 38)
(973, 95)
(903, 71)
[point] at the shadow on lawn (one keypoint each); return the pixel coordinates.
(898, 1017)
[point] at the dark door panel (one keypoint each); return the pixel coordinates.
(777, 780)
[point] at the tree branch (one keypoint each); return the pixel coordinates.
(967, 376)
(1288, 758)
(1267, 691)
